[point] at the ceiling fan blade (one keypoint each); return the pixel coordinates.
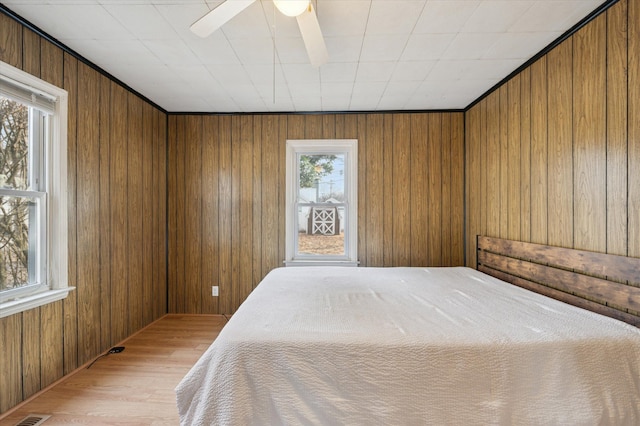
(312, 36)
(219, 16)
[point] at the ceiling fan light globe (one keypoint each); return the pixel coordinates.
(291, 7)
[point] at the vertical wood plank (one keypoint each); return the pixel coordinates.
(313, 126)
(236, 219)
(484, 176)
(271, 230)
(447, 216)
(31, 52)
(539, 173)
(178, 156)
(525, 154)
(504, 166)
(590, 162)
(193, 142)
(10, 361)
(363, 205)
(375, 189)
(104, 213)
(559, 153)
(10, 41)
(51, 63)
(282, 175)
(225, 181)
(160, 217)
(457, 170)
(134, 212)
(70, 65)
(88, 202)
(245, 193)
(162, 213)
(634, 127)
(401, 181)
(31, 361)
(434, 173)
(257, 202)
(493, 156)
(52, 343)
(617, 129)
(514, 151)
(172, 207)
(147, 143)
(473, 179)
(389, 150)
(118, 211)
(421, 147)
(209, 190)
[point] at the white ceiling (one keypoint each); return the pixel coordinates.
(384, 54)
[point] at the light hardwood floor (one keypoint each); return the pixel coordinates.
(135, 387)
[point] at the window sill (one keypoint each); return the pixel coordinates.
(350, 263)
(29, 302)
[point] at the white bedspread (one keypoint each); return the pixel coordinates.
(409, 346)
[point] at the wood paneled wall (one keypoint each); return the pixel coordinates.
(227, 196)
(117, 223)
(553, 156)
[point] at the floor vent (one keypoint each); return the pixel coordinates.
(33, 420)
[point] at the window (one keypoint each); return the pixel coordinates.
(33, 180)
(321, 216)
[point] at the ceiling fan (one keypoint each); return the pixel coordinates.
(302, 10)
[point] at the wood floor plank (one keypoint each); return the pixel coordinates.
(132, 387)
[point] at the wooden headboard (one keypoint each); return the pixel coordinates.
(602, 283)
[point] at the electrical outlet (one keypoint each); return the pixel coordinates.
(214, 290)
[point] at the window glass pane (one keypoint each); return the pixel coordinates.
(321, 178)
(18, 241)
(321, 230)
(14, 144)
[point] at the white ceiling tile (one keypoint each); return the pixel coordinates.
(335, 103)
(392, 103)
(301, 73)
(302, 90)
(171, 52)
(143, 21)
(374, 71)
(565, 14)
(214, 49)
(401, 88)
(330, 90)
(307, 104)
(229, 74)
(445, 16)
(364, 103)
(383, 48)
(435, 53)
(369, 89)
(412, 71)
(426, 47)
(343, 18)
(291, 50)
(252, 18)
(393, 16)
(518, 45)
(344, 49)
(470, 45)
(338, 72)
(253, 51)
(495, 16)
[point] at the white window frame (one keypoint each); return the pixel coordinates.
(348, 147)
(56, 236)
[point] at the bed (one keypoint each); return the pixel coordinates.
(363, 346)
